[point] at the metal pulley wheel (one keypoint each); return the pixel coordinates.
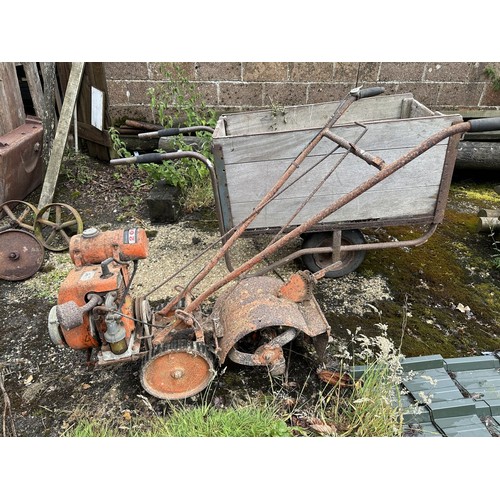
(21, 255)
(55, 224)
(144, 315)
(178, 370)
(17, 214)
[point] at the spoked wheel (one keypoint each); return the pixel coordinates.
(55, 224)
(17, 214)
(349, 261)
(21, 255)
(178, 370)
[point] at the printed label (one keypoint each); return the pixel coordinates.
(87, 275)
(130, 236)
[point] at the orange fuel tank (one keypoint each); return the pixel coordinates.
(93, 246)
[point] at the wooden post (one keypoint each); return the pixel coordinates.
(48, 116)
(488, 224)
(71, 94)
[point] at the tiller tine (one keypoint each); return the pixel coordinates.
(258, 316)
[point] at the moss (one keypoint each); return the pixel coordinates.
(453, 267)
(481, 194)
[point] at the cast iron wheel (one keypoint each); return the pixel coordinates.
(55, 224)
(21, 255)
(17, 214)
(349, 260)
(178, 370)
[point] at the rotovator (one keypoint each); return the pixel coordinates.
(256, 315)
(181, 351)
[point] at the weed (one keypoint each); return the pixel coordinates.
(74, 167)
(119, 147)
(492, 74)
(277, 110)
(178, 101)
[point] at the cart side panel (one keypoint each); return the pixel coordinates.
(313, 115)
(411, 192)
(388, 134)
(222, 190)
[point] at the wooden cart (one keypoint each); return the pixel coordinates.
(253, 149)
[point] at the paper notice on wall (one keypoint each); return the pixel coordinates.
(97, 106)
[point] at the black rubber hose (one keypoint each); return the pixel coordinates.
(485, 124)
(371, 92)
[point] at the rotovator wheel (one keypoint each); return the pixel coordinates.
(178, 370)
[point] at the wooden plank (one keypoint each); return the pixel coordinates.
(387, 134)
(420, 201)
(251, 181)
(89, 133)
(478, 155)
(35, 86)
(313, 115)
(418, 110)
(12, 113)
(94, 76)
(391, 198)
(61, 136)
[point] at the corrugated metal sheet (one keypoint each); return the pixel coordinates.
(452, 397)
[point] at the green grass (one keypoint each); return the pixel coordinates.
(370, 408)
(201, 421)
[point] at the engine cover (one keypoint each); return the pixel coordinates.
(77, 287)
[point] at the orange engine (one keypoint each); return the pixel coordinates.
(94, 308)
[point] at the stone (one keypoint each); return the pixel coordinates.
(163, 203)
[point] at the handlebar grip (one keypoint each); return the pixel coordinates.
(485, 124)
(149, 158)
(166, 132)
(370, 92)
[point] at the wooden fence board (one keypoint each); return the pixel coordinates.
(35, 86)
(12, 113)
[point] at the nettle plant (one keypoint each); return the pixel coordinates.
(176, 102)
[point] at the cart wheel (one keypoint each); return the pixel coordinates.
(17, 214)
(349, 260)
(55, 224)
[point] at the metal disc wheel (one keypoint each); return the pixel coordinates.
(17, 214)
(349, 260)
(144, 315)
(21, 255)
(55, 224)
(178, 370)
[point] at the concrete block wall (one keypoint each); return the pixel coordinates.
(241, 86)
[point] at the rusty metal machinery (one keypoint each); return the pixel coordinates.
(54, 225)
(21, 255)
(17, 214)
(95, 310)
